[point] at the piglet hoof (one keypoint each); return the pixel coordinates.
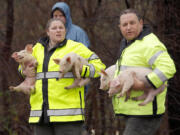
(36, 64)
(134, 98)
(126, 99)
(80, 85)
(61, 76)
(110, 94)
(33, 91)
(142, 104)
(67, 88)
(120, 95)
(11, 88)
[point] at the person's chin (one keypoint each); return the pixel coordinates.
(129, 38)
(59, 40)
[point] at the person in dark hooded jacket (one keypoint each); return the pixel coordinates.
(62, 11)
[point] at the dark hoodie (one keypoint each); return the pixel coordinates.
(73, 32)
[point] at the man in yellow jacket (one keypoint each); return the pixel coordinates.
(141, 48)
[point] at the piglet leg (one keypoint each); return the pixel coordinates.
(151, 94)
(142, 97)
(149, 98)
(20, 88)
(61, 75)
(84, 82)
(77, 70)
(126, 87)
(74, 85)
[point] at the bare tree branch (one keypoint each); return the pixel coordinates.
(127, 4)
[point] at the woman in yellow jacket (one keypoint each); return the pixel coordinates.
(55, 110)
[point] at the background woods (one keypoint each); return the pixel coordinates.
(23, 22)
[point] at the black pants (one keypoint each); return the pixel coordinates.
(59, 129)
(141, 126)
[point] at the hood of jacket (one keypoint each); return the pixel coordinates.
(62, 6)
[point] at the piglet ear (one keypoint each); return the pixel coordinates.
(68, 59)
(115, 83)
(104, 72)
(14, 55)
(57, 61)
(28, 48)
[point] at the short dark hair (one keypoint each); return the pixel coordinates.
(52, 12)
(130, 10)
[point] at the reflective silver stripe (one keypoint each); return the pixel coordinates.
(154, 57)
(93, 56)
(92, 70)
(160, 75)
(65, 112)
(35, 113)
(126, 67)
(43, 75)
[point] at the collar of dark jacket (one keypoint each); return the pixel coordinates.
(146, 31)
(45, 41)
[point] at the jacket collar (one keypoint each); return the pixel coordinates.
(45, 41)
(146, 31)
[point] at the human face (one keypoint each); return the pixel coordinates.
(130, 26)
(56, 32)
(58, 14)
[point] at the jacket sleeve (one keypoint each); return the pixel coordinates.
(94, 65)
(161, 63)
(93, 68)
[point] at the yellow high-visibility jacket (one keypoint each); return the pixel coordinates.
(148, 52)
(51, 101)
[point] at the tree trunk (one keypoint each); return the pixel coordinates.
(4, 55)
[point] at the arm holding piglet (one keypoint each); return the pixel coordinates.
(108, 75)
(83, 64)
(74, 63)
(134, 79)
(28, 64)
